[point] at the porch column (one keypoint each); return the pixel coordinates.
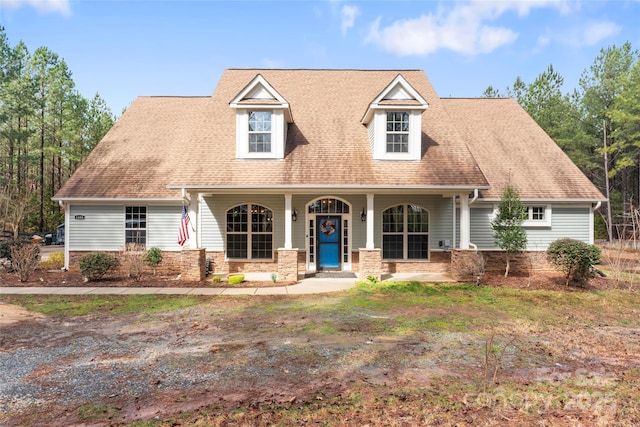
(288, 224)
(370, 244)
(194, 231)
(465, 221)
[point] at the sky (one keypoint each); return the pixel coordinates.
(122, 49)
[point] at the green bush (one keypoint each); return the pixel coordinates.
(153, 257)
(235, 279)
(574, 258)
(97, 264)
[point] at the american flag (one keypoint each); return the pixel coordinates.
(183, 234)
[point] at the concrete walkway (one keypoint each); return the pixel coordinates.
(310, 285)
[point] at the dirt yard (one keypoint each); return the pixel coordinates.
(487, 355)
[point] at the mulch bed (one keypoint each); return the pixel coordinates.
(57, 278)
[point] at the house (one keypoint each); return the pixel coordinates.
(299, 171)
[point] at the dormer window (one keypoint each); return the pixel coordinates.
(397, 132)
(262, 116)
(394, 122)
(259, 131)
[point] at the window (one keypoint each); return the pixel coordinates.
(405, 233)
(536, 213)
(538, 216)
(397, 132)
(250, 232)
(259, 132)
(135, 227)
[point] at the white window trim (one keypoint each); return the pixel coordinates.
(380, 135)
(278, 135)
(532, 223)
(146, 228)
(249, 235)
(405, 233)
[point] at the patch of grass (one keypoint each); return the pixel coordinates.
(97, 412)
(78, 305)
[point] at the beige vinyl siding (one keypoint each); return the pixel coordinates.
(102, 228)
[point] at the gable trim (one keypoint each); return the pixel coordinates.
(394, 96)
(260, 85)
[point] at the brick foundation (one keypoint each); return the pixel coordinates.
(287, 265)
(439, 262)
(170, 264)
(370, 263)
(467, 264)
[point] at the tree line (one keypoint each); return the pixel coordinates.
(47, 128)
(598, 125)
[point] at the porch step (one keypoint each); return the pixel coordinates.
(331, 275)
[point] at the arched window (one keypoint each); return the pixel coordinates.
(405, 232)
(250, 232)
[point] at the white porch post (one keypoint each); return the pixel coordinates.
(288, 225)
(370, 244)
(194, 241)
(465, 222)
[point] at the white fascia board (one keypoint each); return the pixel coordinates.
(328, 189)
(544, 201)
(116, 200)
(260, 80)
(399, 80)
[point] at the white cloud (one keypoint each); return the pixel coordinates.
(584, 34)
(348, 15)
(465, 27)
(61, 6)
(595, 32)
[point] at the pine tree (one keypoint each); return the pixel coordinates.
(508, 232)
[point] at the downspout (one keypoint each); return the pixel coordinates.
(66, 233)
(475, 197)
(597, 206)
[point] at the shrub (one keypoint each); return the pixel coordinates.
(7, 246)
(95, 265)
(152, 258)
(132, 259)
(574, 258)
(54, 262)
(24, 260)
(235, 279)
(216, 280)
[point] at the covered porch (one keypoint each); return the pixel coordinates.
(372, 234)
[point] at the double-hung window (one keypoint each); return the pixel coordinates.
(249, 232)
(397, 132)
(135, 225)
(259, 131)
(405, 233)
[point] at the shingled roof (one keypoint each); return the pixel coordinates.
(510, 147)
(163, 142)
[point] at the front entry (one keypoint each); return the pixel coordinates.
(328, 242)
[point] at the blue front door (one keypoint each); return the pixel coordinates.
(328, 242)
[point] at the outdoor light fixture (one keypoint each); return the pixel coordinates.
(294, 215)
(363, 215)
